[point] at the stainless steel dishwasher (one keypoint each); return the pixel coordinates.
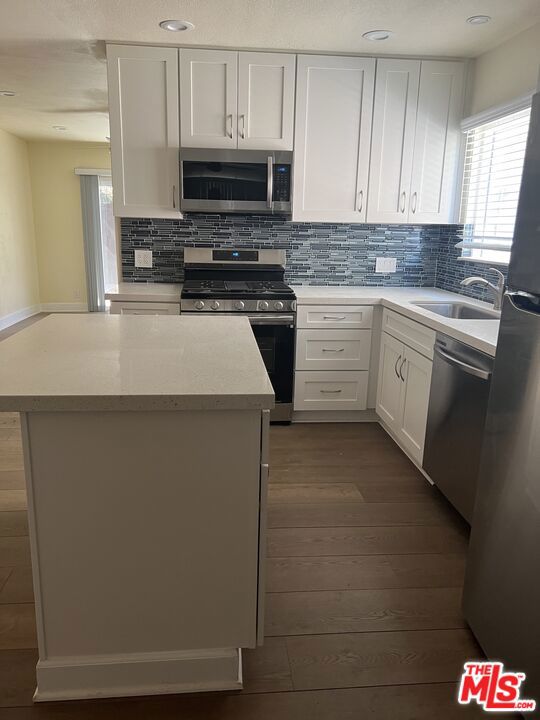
(456, 417)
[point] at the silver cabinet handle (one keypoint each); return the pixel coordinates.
(230, 122)
(401, 369)
(403, 201)
(174, 197)
(395, 367)
(270, 183)
(243, 130)
(360, 202)
(469, 369)
(333, 349)
(330, 391)
(413, 201)
(334, 317)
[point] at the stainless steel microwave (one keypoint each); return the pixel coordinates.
(246, 181)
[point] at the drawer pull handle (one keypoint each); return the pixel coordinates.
(334, 317)
(333, 349)
(330, 391)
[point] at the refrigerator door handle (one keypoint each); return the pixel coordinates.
(524, 301)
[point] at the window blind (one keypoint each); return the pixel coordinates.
(493, 166)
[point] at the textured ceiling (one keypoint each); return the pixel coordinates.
(52, 51)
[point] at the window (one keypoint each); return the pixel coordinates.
(494, 156)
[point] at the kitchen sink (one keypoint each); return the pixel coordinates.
(459, 311)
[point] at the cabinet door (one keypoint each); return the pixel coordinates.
(208, 98)
(143, 110)
(394, 119)
(390, 384)
(266, 101)
(416, 371)
(437, 143)
(334, 104)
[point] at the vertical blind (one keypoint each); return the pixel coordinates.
(494, 157)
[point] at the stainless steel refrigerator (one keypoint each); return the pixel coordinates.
(502, 587)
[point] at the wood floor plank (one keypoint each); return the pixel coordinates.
(356, 611)
(4, 575)
(18, 673)
(355, 514)
(17, 627)
(14, 551)
(401, 702)
(18, 586)
(356, 572)
(12, 500)
(10, 420)
(398, 489)
(380, 658)
(266, 668)
(313, 493)
(294, 542)
(13, 524)
(326, 473)
(11, 460)
(12, 480)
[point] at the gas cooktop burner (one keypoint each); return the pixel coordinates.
(236, 287)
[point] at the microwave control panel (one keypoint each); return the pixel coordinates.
(282, 183)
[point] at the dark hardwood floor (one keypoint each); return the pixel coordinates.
(364, 575)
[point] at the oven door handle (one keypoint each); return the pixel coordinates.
(271, 319)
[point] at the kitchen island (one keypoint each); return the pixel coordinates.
(145, 442)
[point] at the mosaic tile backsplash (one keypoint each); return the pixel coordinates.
(317, 254)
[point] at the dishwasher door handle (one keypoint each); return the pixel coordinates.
(469, 369)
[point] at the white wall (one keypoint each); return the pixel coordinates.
(19, 291)
(507, 72)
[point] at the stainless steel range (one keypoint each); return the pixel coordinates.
(250, 283)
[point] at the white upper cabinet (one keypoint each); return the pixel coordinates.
(437, 143)
(266, 100)
(392, 144)
(334, 106)
(143, 110)
(208, 98)
(237, 100)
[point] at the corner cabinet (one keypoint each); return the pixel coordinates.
(334, 106)
(233, 100)
(415, 152)
(404, 383)
(145, 129)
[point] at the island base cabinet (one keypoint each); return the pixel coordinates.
(403, 394)
(145, 535)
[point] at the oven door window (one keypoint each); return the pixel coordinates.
(224, 181)
(276, 344)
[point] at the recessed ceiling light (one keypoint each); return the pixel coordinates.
(60, 128)
(7, 93)
(478, 19)
(176, 25)
(377, 35)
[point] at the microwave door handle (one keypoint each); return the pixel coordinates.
(270, 183)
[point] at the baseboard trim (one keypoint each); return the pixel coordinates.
(79, 678)
(334, 416)
(19, 315)
(64, 307)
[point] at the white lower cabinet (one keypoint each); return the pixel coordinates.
(403, 393)
(144, 308)
(331, 390)
(333, 349)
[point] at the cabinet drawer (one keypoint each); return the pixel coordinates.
(333, 349)
(334, 316)
(331, 390)
(414, 334)
(144, 308)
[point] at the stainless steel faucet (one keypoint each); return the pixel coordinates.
(497, 290)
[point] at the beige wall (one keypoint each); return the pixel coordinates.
(18, 269)
(57, 215)
(507, 72)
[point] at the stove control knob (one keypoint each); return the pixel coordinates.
(214, 305)
(263, 305)
(199, 304)
(278, 305)
(239, 305)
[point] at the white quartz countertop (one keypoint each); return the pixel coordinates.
(96, 361)
(480, 334)
(144, 292)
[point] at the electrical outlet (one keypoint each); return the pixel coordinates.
(143, 258)
(385, 265)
